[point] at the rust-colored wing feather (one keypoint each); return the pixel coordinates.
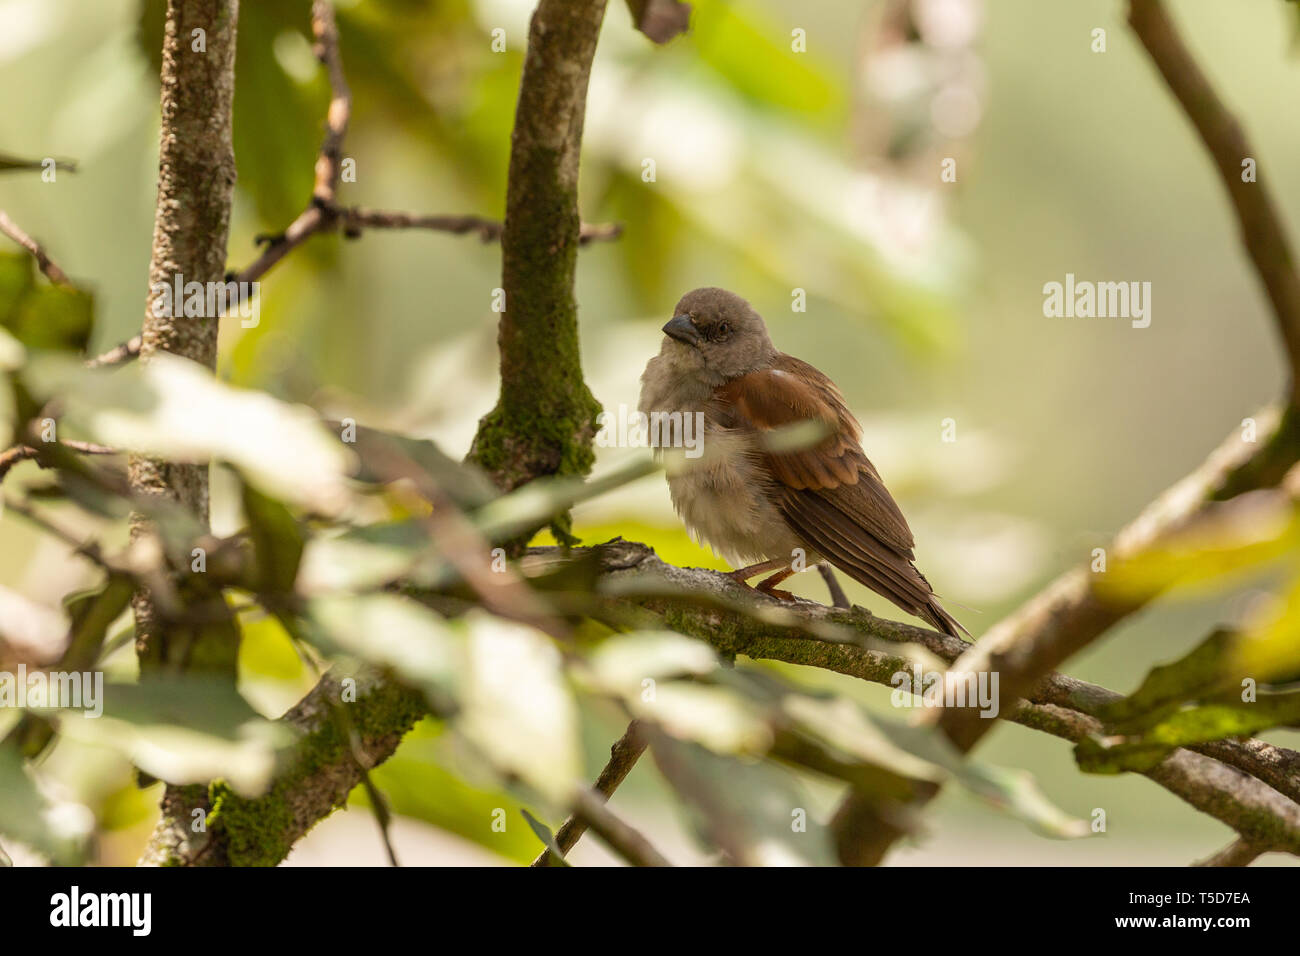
(830, 493)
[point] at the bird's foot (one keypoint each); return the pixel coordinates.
(778, 593)
(742, 575)
(769, 585)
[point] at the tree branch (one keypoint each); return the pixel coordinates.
(623, 839)
(1237, 853)
(545, 417)
(623, 755)
(488, 230)
(1070, 613)
(328, 764)
(1262, 234)
(43, 262)
(196, 179)
(1059, 705)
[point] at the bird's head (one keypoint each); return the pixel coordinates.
(718, 333)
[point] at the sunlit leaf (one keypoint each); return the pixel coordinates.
(622, 662)
(392, 632)
(59, 831)
(1234, 538)
(518, 710)
(538, 501)
(182, 730)
(175, 409)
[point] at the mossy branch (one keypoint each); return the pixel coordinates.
(327, 764)
(545, 418)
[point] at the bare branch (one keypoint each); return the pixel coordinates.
(627, 750)
(118, 353)
(623, 839)
(488, 230)
(12, 456)
(1262, 234)
(47, 267)
(196, 179)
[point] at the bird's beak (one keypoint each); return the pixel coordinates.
(679, 327)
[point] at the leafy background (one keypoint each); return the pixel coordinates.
(775, 170)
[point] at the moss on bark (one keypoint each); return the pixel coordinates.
(545, 418)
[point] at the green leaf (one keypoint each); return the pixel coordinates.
(1200, 724)
(175, 409)
(544, 834)
(182, 730)
(60, 832)
(518, 710)
(1269, 647)
(1234, 539)
(39, 316)
(538, 501)
(277, 542)
(1169, 686)
(465, 484)
(393, 632)
(423, 780)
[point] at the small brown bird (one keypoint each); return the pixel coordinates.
(751, 501)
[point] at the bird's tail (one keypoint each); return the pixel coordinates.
(941, 619)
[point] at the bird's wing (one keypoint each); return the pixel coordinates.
(835, 472)
(830, 493)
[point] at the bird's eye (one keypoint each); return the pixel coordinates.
(724, 329)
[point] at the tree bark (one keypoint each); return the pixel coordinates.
(544, 420)
(196, 178)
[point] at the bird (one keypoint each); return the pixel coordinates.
(763, 505)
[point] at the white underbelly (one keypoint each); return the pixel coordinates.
(721, 499)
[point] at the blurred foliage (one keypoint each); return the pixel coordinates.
(42, 316)
(1235, 682)
(509, 696)
(318, 540)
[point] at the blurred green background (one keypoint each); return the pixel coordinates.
(775, 170)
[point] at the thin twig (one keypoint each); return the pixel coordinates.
(623, 756)
(12, 456)
(87, 549)
(118, 353)
(488, 230)
(622, 838)
(1262, 234)
(43, 261)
